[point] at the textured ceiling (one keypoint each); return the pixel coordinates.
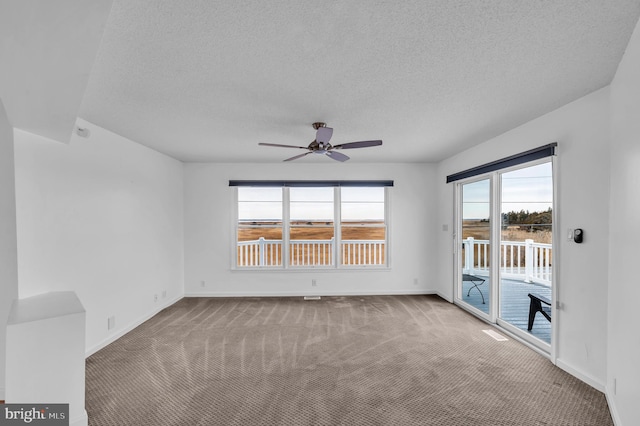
(208, 80)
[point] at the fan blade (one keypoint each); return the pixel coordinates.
(297, 156)
(283, 146)
(338, 156)
(323, 135)
(361, 144)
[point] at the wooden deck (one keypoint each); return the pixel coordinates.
(514, 304)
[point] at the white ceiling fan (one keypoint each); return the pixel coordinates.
(322, 146)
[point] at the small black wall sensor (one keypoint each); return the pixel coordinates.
(578, 235)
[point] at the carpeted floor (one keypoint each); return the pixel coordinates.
(375, 360)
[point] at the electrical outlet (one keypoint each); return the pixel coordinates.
(202, 283)
(313, 283)
(415, 281)
(164, 293)
(111, 322)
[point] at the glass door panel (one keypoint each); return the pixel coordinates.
(474, 287)
(525, 250)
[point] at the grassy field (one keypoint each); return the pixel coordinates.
(357, 231)
(480, 231)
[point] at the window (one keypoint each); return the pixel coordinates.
(308, 225)
(259, 236)
(311, 226)
(363, 225)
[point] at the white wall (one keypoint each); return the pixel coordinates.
(103, 217)
(581, 129)
(623, 370)
(8, 252)
(209, 232)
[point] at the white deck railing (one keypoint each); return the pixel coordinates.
(522, 260)
(262, 252)
(363, 252)
(311, 252)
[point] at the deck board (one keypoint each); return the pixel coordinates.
(514, 304)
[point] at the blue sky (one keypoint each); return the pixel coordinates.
(529, 189)
(313, 204)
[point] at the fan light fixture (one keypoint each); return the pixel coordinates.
(322, 146)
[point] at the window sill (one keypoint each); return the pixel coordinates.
(322, 269)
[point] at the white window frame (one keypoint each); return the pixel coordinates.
(336, 258)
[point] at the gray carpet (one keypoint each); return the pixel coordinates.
(379, 360)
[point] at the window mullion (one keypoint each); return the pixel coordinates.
(285, 227)
(234, 258)
(387, 220)
(337, 227)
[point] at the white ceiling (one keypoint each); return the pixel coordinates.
(47, 49)
(208, 80)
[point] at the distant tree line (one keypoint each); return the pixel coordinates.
(528, 220)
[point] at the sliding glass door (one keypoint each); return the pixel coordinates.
(504, 249)
(526, 246)
(475, 245)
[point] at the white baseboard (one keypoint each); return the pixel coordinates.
(307, 293)
(442, 296)
(90, 351)
(80, 421)
(591, 381)
(612, 407)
